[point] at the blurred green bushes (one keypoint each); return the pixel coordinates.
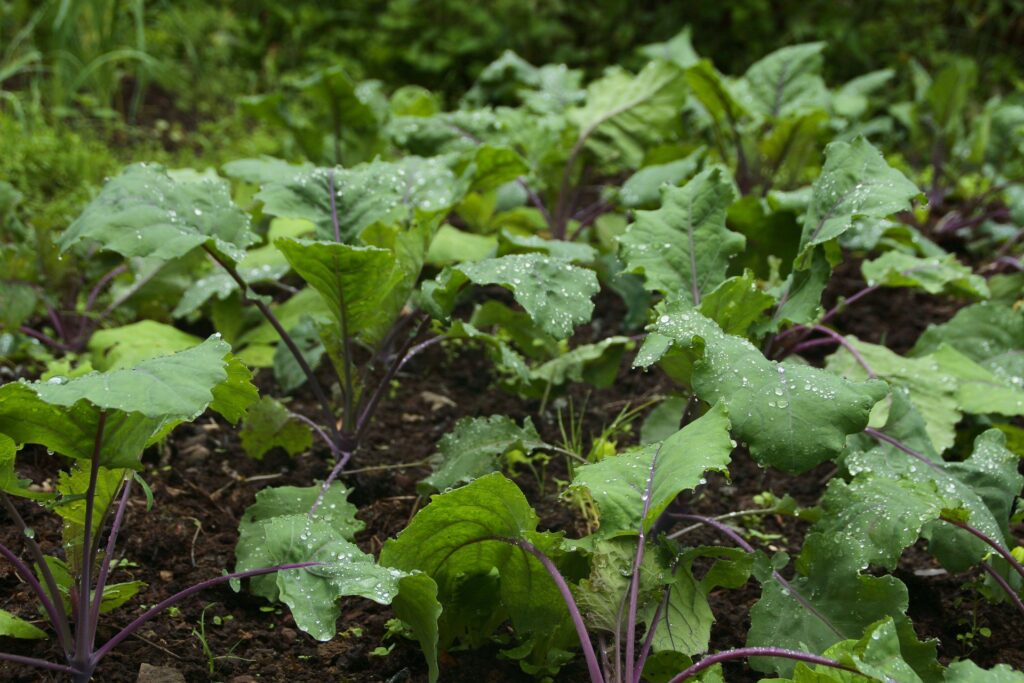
(52, 167)
(102, 55)
(443, 44)
(163, 79)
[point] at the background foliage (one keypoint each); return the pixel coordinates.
(162, 79)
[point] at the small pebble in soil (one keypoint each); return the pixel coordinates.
(159, 674)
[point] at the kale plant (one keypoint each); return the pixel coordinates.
(102, 422)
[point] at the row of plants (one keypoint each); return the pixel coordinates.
(715, 208)
(104, 58)
(173, 81)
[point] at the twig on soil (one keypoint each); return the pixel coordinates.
(729, 515)
(243, 480)
(195, 537)
(209, 496)
(414, 510)
(149, 642)
(398, 466)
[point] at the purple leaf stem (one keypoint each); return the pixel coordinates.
(346, 455)
(137, 284)
(812, 343)
(954, 222)
(536, 201)
(1004, 584)
(563, 206)
(382, 351)
(1011, 261)
(574, 612)
(839, 339)
(617, 649)
(1008, 244)
(744, 652)
(343, 455)
(181, 595)
(634, 581)
(896, 443)
(724, 529)
(605, 660)
(1007, 555)
(422, 346)
(936, 192)
(319, 431)
(101, 579)
(339, 460)
(58, 325)
(371, 404)
(83, 628)
(645, 650)
(46, 339)
(831, 313)
(101, 284)
(966, 527)
(63, 626)
(856, 296)
(588, 216)
(786, 585)
(28, 577)
(844, 303)
(314, 383)
(38, 663)
(589, 654)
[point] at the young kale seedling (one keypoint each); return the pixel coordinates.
(557, 127)
(363, 288)
(103, 422)
(76, 314)
(628, 666)
(454, 540)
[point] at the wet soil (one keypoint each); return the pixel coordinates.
(202, 482)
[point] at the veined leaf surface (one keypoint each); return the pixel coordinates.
(792, 416)
(683, 249)
(148, 212)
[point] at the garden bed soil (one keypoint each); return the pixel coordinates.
(202, 482)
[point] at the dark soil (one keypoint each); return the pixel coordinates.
(893, 317)
(202, 482)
